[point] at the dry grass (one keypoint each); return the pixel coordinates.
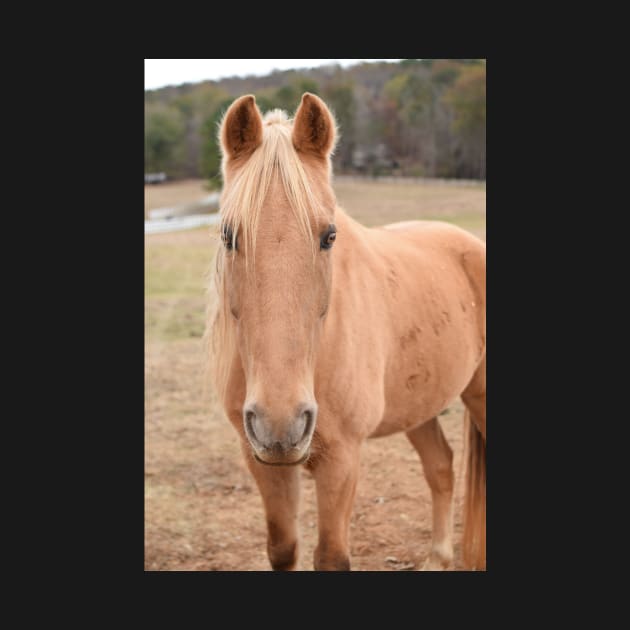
(375, 203)
(173, 193)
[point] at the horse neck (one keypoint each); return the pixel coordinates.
(358, 241)
(345, 222)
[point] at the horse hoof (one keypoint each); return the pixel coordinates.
(436, 563)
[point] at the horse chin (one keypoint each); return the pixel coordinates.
(297, 462)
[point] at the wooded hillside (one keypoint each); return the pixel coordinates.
(417, 117)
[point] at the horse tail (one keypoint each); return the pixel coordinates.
(474, 540)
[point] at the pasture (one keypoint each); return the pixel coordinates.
(173, 193)
(202, 509)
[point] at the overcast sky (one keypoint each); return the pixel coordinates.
(161, 72)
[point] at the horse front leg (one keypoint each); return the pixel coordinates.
(279, 488)
(336, 473)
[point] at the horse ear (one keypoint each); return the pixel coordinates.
(242, 127)
(314, 128)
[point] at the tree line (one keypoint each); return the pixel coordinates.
(416, 117)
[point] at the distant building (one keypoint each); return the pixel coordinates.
(373, 159)
(154, 178)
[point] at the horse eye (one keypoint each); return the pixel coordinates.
(328, 237)
(226, 237)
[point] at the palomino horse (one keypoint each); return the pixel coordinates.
(326, 333)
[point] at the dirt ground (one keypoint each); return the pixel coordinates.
(202, 509)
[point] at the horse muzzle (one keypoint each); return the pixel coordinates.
(280, 443)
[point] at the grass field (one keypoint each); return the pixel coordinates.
(374, 203)
(202, 510)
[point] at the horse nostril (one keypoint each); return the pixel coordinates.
(303, 425)
(309, 415)
(252, 423)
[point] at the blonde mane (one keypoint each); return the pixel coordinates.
(240, 209)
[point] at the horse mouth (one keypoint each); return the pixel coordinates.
(283, 463)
